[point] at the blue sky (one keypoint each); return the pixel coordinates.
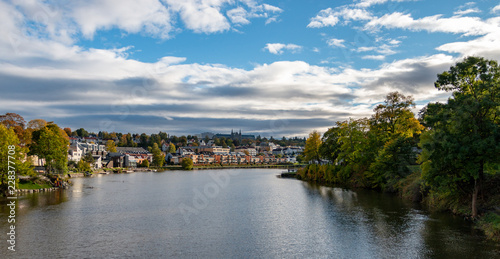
(266, 67)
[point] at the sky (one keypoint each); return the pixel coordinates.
(270, 68)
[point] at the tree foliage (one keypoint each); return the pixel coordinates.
(158, 156)
(17, 123)
(171, 148)
(464, 132)
(88, 158)
(51, 143)
(187, 163)
(371, 152)
(144, 163)
(84, 166)
(111, 146)
(312, 148)
(22, 166)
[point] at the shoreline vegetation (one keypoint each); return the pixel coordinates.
(448, 159)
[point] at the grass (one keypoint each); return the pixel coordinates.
(33, 186)
(490, 223)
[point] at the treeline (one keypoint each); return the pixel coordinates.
(449, 156)
(144, 140)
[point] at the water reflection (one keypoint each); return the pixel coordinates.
(255, 215)
(396, 229)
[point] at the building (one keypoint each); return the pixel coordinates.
(235, 136)
(213, 149)
(251, 151)
(128, 157)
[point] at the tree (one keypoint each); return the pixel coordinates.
(17, 123)
(313, 144)
(11, 150)
(37, 124)
(393, 134)
(144, 163)
(171, 148)
(84, 166)
(81, 132)
(68, 131)
(158, 156)
(187, 163)
(111, 146)
(330, 144)
(51, 143)
(88, 158)
(464, 133)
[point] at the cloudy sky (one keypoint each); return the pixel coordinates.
(280, 68)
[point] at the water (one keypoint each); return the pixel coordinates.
(244, 213)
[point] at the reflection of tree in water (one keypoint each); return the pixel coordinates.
(389, 225)
(399, 229)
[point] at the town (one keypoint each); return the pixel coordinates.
(204, 149)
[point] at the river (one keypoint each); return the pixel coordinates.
(241, 213)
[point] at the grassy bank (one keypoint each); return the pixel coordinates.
(33, 186)
(490, 224)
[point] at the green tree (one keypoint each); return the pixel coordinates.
(81, 132)
(111, 146)
(84, 166)
(51, 144)
(171, 148)
(353, 141)
(88, 158)
(312, 148)
(465, 131)
(187, 163)
(144, 163)
(158, 157)
(330, 146)
(11, 150)
(393, 134)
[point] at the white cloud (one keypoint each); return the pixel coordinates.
(486, 46)
(128, 15)
(495, 9)
(238, 15)
(330, 17)
(324, 18)
(394, 42)
(469, 26)
(63, 21)
(374, 57)
(365, 49)
(368, 3)
(201, 16)
(271, 8)
(278, 48)
(467, 11)
(336, 43)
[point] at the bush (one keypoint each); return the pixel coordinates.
(144, 163)
(490, 223)
(187, 163)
